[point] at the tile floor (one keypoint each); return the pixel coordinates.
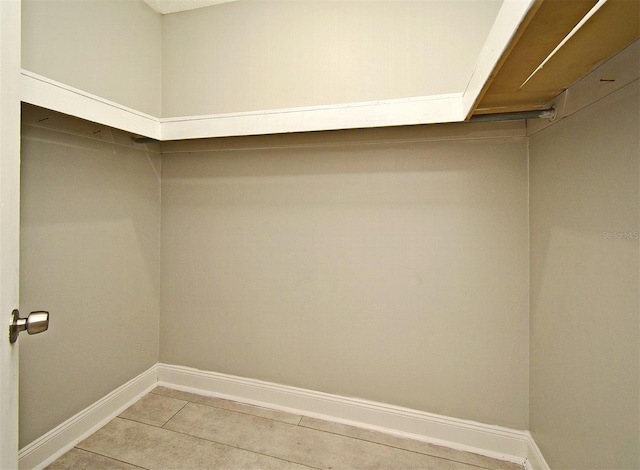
(179, 430)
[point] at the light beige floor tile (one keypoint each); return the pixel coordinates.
(409, 444)
(305, 446)
(78, 459)
(153, 409)
(157, 448)
(229, 405)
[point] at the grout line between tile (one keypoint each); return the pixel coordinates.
(236, 411)
(398, 448)
(248, 414)
(239, 448)
(139, 422)
(109, 457)
(174, 414)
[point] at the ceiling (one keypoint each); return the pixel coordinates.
(517, 83)
(173, 6)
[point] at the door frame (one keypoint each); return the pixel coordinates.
(9, 224)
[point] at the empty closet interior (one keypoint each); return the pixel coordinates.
(480, 271)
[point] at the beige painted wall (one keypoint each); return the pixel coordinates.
(253, 55)
(385, 264)
(90, 254)
(108, 48)
(585, 286)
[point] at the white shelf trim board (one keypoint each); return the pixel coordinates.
(398, 112)
(47, 93)
(50, 94)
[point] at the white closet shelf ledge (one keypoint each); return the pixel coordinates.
(47, 93)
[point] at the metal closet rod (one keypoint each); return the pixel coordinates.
(516, 116)
(144, 140)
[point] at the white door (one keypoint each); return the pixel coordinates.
(9, 225)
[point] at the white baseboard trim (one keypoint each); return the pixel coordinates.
(492, 441)
(535, 460)
(489, 440)
(60, 439)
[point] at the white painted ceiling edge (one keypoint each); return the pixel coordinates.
(172, 6)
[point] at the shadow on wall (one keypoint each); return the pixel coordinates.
(585, 252)
(90, 254)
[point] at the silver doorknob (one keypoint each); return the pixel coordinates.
(35, 323)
